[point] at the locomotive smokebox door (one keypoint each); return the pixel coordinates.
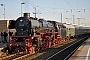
(22, 25)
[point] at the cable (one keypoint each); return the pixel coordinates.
(71, 7)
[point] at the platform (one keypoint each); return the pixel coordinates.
(83, 53)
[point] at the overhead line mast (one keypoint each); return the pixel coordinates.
(35, 12)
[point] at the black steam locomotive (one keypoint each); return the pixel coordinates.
(31, 32)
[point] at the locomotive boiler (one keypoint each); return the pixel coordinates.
(26, 26)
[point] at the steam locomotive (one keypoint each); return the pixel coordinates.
(37, 34)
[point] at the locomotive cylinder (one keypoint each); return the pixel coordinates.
(27, 15)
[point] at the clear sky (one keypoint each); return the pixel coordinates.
(48, 9)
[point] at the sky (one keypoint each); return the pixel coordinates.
(48, 10)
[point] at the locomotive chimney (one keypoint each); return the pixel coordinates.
(27, 15)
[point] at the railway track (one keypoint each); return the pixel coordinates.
(69, 49)
(41, 53)
(12, 56)
(64, 52)
(23, 56)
